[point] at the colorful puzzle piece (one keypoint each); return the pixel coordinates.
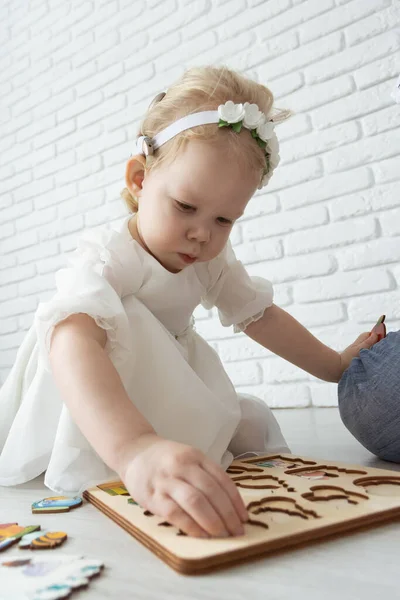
(56, 504)
(10, 533)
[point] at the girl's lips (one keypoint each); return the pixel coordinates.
(186, 258)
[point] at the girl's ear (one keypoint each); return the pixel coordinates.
(134, 173)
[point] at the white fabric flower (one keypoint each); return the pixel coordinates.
(273, 150)
(231, 112)
(266, 130)
(253, 117)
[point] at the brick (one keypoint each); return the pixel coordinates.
(339, 18)
(19, 241)
(324, 188)
(381, 20)
(324, 394)
(77, 171)
(377, 71)
(68, 142)
(258, 251)
(283, 294)
(6, 230)
(245, 373)
(284, 222)
(38, 253)
(64, 192)
(377, 252)
(300, 267)
(83, 105)
(241, 347)
(72, 78)
(320, 142)
(262, 54)
(386, 170)
(294, 127)
(18, 306)
(274, 25)
(57, 165)
(390, 222)
(369, 308)
(36, 285)
(363, 151)
(340, 285)
(261, 204)
(287, 85)
(278, 370)
(311, 96)
(350, 59)
(12, 340)
(330, 236)
(382, 120)
(8, 325)
(295, 173)
(8, 291)
(59, 227)
(308, 54)
(357, 105)
(47, 137)
(199, 19)
(376, 198)
(317, 314)
(211, 329)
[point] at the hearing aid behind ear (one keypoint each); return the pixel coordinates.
(380, 328)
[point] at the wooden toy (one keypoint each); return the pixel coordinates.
(56, 504)
(43, 541)
(290, 500)
(46, 578)
(10, 533)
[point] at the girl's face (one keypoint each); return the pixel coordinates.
(187, 208)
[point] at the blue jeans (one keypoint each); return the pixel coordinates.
(369, 398)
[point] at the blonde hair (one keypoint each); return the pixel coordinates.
(198, 89)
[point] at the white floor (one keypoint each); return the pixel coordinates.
(362, 565)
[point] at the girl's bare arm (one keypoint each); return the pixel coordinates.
(92, 388)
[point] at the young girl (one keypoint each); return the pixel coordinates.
(112, 380)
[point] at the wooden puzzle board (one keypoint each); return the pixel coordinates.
(290, 500)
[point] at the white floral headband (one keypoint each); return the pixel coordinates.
(231, 115)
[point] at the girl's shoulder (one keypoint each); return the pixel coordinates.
(111, 252)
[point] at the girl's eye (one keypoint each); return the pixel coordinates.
(224, 221)
(184, 206)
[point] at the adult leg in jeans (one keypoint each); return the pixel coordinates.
(369, 398)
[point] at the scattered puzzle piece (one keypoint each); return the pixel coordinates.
(57, 576)
(12, 532)
(43, 540)
(56, 504)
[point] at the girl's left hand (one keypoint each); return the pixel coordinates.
(365, 340)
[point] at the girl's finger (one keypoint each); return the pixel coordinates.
(170, 510)
(228, 485)
(218, 496)
(195, 507)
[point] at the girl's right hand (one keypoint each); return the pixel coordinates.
(186, 488)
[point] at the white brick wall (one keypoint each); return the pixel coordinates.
(75, 79)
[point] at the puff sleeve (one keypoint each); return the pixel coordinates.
(240, 298)
(101, 271)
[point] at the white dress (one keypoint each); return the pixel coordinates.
(171, 374)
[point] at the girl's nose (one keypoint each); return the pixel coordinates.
(201, 234)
